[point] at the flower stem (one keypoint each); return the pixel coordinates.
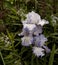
(51, 59)
(36, 5)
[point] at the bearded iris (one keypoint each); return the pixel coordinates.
(32, 34)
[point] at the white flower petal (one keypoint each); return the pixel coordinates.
(38, 51)
(33, 17)
(29, 26)
(43, 22)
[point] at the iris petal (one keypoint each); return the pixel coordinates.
(40, 40)
(27, 40)
(46, 49)
(38, 51)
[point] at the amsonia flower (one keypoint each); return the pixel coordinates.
(38, 51)
(27, 40)
(40, 40)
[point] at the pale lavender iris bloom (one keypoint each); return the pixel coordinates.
(33, 17)
(27, 29)
(27, 40)
(40, 40)
(30, 27)
(32, 32)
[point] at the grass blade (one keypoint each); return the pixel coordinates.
(51, 59)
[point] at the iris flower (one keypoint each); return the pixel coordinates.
(32, 33)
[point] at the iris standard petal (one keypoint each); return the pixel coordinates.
(33, 18)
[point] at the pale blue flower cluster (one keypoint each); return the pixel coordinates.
(32, 34)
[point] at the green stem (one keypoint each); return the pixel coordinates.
(45, 60)
(51, 59)
(37, 61)
(32, 60)
(36, 5)
(2, 58)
